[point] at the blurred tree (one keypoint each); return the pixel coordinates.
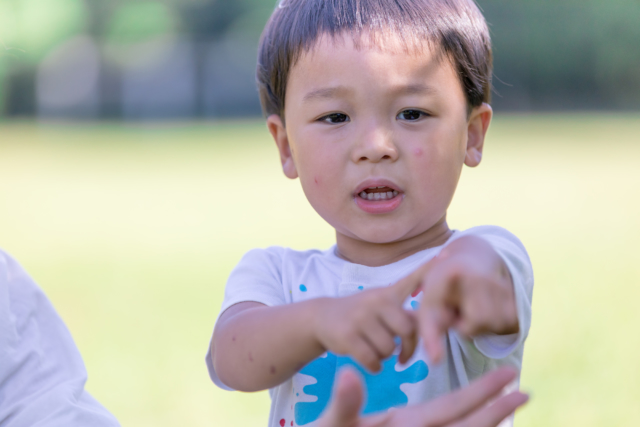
(579, 54)
(140, 21)
(208, 20)
(549, 54)
(30, 29)
(35, 26)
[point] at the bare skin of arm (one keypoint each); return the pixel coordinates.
(256, 347)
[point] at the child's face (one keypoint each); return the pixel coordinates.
(360, 119)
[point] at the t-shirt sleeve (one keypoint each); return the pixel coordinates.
(517, 260)
(256, 278)
(42, 375)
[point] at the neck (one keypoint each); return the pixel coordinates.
(378, 254)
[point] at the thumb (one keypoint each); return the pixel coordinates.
(344, 410)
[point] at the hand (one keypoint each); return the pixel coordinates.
(365, 325)
(467, 287)
(463, 408)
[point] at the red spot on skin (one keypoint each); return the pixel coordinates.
(272, 370)
(417, 152)
(282, 421)
(416, 292)
(291, 422)
(250, 357)
(316, 179)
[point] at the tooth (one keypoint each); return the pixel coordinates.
(377, 196)
(395, 193)
(389, 194)
(382, 186)
(372, 188)
(383, 196)
(370, 196)
(363, 195)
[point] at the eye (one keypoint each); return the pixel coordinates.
(334, 118)
(411, 115)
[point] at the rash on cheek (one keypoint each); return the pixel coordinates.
(417, 152)
(316, 180)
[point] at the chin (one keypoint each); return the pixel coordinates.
(381, 237)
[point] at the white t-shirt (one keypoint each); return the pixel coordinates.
(42, 375)
(276, 276)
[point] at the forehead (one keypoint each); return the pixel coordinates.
(381, 61)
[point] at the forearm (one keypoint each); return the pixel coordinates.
(255, 347)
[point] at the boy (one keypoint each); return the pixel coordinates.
(375, 105)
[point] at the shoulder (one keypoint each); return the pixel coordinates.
(486, 230)
(21, 299)
(507, 245)
(16, 287)
(497, 236)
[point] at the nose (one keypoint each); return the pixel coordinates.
(375, 144)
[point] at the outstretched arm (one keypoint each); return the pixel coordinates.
(256, 347)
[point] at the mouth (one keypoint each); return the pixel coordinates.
(378, 196)
(378, 193)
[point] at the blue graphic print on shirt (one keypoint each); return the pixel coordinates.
(382, 389)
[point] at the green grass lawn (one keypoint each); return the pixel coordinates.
(132, 230)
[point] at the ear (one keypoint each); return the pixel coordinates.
(279, 134)
(477, 129)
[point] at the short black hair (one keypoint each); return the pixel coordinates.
(455, 28)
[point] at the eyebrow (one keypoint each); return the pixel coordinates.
(326, 93)
(336, 91)
(415, 89)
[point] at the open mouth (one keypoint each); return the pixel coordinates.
(378, 193)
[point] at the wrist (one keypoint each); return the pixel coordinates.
(316, 312)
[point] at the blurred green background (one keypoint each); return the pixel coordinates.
(134, 173)
(132, 230)
(159, 59)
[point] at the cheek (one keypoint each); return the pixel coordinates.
(417, 152)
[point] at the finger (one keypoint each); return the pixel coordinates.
(457, 405)
(491, 416)
(433, 324)
(380, 337)
(403, 324)
(479, 311)
(409, 341)
(344, 409)
(400, 322)
(438, 310)
(365, 354)
(409, 345)
(406, 286)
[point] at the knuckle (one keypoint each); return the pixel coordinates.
(367, 358)
(388, 347)
(359, 318)
(351, 335)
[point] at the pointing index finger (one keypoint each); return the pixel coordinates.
(406, 286)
